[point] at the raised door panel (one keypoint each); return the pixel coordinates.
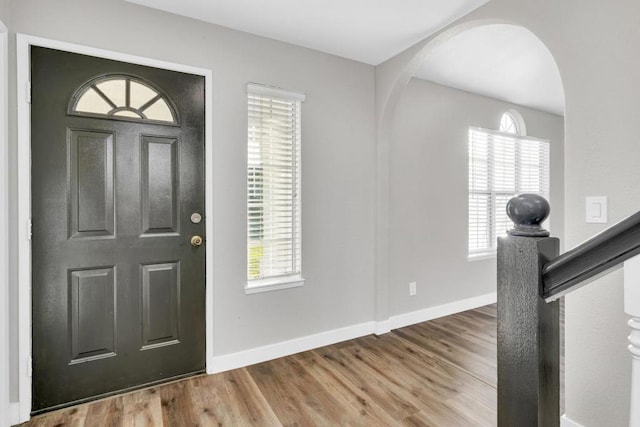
(92, 310)
(160, 304)
(91, 184)
(159, 185)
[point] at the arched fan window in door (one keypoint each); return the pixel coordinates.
(123, 97)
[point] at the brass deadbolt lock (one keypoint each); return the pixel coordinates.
(196, 241)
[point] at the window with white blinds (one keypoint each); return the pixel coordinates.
(273, 186)
(501, 165)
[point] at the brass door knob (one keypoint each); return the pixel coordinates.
(196, 241)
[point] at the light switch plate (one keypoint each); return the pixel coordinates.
(596, 210)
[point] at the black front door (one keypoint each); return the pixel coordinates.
(118, 289)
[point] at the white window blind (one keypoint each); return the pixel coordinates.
(273, 184)
(501, 165)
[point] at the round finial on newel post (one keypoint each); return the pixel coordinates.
(528, 211)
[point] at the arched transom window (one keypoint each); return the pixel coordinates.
(122, 97)
(512, 122)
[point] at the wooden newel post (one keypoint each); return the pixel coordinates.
(528, 327)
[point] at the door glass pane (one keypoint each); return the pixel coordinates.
(127, 113)
(159, 110)
(91, 102)
(115, 90)
(140, 95)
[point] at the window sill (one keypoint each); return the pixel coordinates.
(268, 285)
(482, 256)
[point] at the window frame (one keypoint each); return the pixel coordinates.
(293, 279)
(544, 171)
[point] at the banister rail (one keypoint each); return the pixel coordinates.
(600, 253)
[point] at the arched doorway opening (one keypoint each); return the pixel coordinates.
(423, 137)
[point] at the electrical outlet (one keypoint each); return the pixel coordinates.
(412, 288)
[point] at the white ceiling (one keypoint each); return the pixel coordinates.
(369, 31)
(501, 61)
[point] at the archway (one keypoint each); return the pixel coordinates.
(403, 68)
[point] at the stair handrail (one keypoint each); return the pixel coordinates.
(602, 252)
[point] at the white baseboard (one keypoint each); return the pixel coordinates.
(568, 422)
(273, 351)
(382, 327)
(431, 313)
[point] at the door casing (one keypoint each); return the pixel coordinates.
(5, 407)
(24, 42)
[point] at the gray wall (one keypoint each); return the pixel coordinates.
(595, 45)
(602, 155)
(429, 187)
(337, 151)
(4, 11)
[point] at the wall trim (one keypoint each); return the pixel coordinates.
(23, 44)
(4, 227)
(406, 319)
(286, 348)
(382, 327)
(568, 422)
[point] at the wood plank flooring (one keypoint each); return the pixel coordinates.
(437, 373)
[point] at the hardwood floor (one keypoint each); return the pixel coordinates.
(437, 373)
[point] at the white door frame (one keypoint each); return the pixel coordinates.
(24, 42)
(4, 229)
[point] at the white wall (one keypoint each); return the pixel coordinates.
(595, 45)
(429, 187)
(338, 146)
